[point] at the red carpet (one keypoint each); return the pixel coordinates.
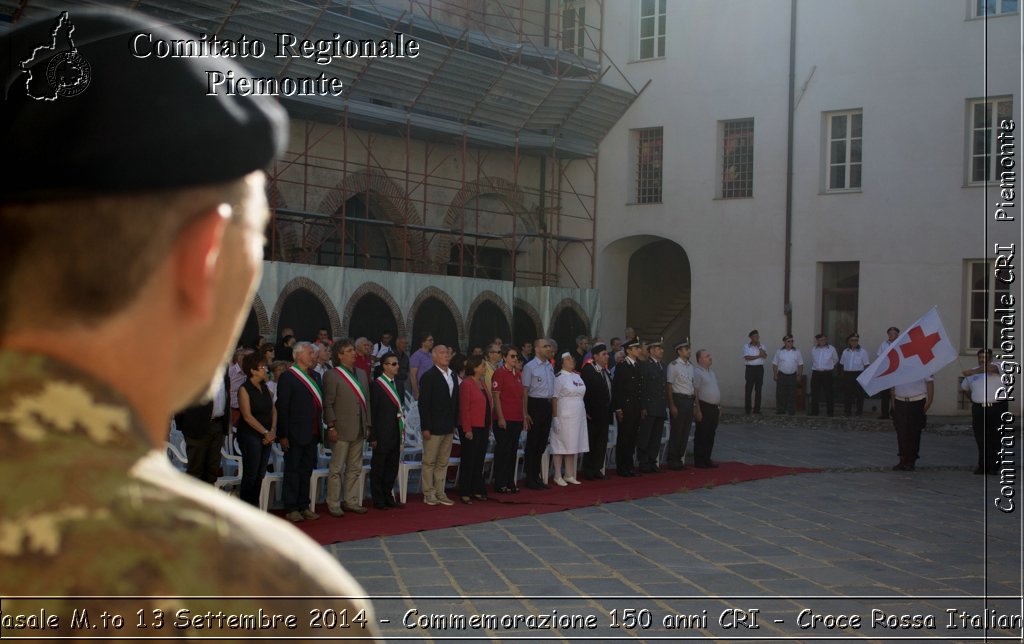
(417, 516)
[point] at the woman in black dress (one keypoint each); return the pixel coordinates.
(257, 426)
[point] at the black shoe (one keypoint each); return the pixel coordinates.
(706, 466)
(392, 503)
(757, 411)
(380, 506)
(466, 500)
(535, 485)
(481, 497)
(676, 468)
(514, 490)
(628, 474)
(647, 470)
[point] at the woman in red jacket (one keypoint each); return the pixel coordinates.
(474, 430)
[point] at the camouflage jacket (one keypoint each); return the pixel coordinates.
(88, 508)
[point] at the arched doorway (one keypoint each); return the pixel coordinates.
(567, 326)
(488, 323)
(303, 313)
(433, 317)
(365, 244)
(524, 328)
(251, 331)
(666, 314)
(371, 316)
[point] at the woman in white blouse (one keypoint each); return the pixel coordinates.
(569, 427)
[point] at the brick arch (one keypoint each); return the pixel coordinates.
(390, 202)
(433, 291)
(493, 298)
(373, 288)
(527, 308)
(261, 317)
(505, 190)
(318, 292)
(568, 303)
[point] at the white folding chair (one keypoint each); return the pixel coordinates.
(319, 474)
(234, 480)
(272, 477)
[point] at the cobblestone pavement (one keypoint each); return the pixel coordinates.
(856, 540)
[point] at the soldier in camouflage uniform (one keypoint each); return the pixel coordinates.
(167, 244)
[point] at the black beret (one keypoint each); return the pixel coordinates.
(81, 115)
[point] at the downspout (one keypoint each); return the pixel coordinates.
(787, 306)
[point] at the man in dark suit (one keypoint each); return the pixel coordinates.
(439, 412)
(627, 399)
(299, 423)
(386, 433)
(204, 427)
(648, 441)
(598, 402)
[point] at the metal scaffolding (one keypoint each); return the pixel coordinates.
(476, 158)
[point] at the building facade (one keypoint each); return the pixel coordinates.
(896, 167)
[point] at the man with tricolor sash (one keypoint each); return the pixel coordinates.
(347, 413)
(387, 432)
(300, 408)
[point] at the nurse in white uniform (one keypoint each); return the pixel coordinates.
(569, 428)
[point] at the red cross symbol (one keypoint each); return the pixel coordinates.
(920, 345)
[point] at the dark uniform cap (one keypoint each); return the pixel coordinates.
(787, 337)
(656, 343)
(629, 344)
(598, 348)
(685, 342)
(819, 336)
(122, 124)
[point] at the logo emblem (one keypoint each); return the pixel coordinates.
(67, 74)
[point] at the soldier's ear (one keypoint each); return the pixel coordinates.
(196, 254)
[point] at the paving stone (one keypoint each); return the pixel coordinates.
(856, 528)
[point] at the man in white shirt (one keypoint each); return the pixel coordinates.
(539, 382)
(707, 410)
(823, 364)
(679, 377)
(854, 361)
(754, 357)
(886, 403)
(910, 403)
(986, 412)
(382, 347)
(787, 369)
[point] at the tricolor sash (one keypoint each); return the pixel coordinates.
(353, 384)
(389, 387)
(310, 385)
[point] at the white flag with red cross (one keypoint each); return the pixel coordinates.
(917, 353)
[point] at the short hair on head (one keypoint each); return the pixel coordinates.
(251, 362)
(472, 362)
(422, 337)
(95, 278)
(892, 328)
(438, 346)
(304, 347)
(985, 352)
(508, 348)
(278, 364)
(389, 354)
(580, 338)
(700, 353)
(457, 363)
(266, 346)
(339, 347)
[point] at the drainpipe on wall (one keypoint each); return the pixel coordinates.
(787, 306)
